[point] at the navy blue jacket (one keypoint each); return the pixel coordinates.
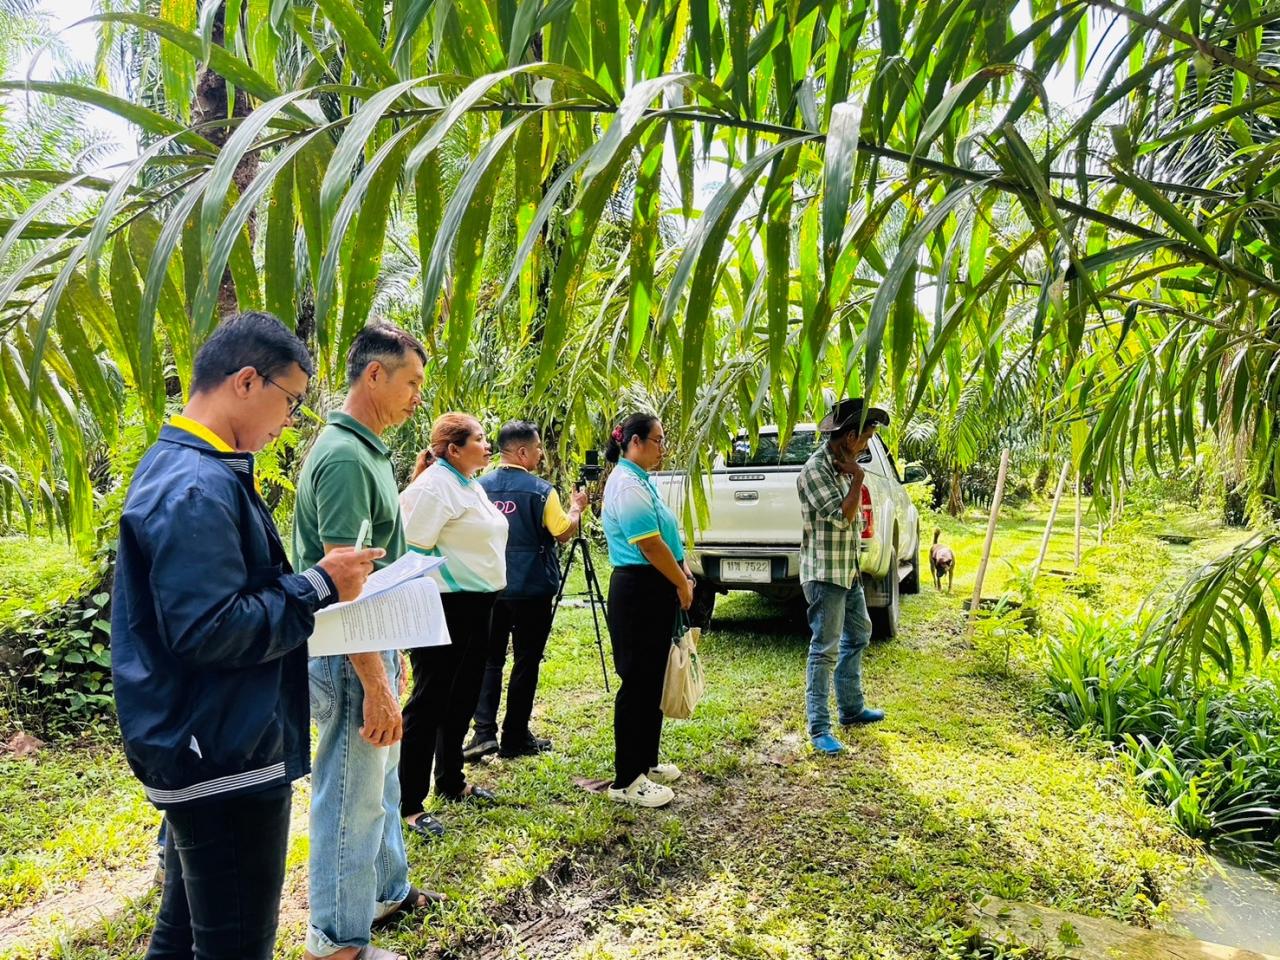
(533, 568)
(208, 629)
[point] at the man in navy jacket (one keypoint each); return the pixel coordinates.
(208, 633)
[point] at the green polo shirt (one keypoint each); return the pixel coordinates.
(346, 480)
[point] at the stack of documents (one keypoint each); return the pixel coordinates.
(399, 608)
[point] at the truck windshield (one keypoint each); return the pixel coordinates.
(802, 445)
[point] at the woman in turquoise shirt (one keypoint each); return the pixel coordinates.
(650, 582)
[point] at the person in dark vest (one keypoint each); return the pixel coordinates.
(536, 522)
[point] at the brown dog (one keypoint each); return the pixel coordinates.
(941, 561)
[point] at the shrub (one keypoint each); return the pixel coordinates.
(35, 572)
(921, 495)
(1006, 634)
(997, 633)
(56, 666)
(1209, 754)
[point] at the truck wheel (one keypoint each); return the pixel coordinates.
(911, 582)
(884, 620)
(704, 602)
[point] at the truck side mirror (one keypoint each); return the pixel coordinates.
(915, 473)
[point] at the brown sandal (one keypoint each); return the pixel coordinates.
(415, 900)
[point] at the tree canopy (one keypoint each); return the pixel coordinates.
(725, 208)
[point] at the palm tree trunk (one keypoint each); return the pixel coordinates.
(955, 503)
(209, 106)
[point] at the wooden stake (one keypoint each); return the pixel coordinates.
(1077, 519)
(986, 547)
(1098, 507)
(1053, 515)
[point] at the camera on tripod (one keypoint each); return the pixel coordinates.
(591, 471)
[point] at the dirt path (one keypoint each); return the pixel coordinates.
(574, 906)
(876, 853)
(565, 908)
(101, 896)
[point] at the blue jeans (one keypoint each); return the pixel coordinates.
(358, 870)
(841, 631)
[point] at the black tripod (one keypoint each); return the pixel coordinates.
(593, 592)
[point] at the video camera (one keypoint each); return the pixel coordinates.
(591, 471)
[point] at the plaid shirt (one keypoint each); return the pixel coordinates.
(829, 544)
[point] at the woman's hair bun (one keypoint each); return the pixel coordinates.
(636, 425)
(425, 459)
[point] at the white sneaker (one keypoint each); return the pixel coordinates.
(664, 773)
(643, 792)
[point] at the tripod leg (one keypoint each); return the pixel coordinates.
(594, 595)
(594, 590)
(564, 577)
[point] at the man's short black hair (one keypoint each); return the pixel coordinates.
(383, 342)
(516, 432)
(249, 339)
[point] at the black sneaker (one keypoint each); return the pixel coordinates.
(526, 747)
(479, 748)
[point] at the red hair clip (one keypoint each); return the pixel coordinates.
(617, 433)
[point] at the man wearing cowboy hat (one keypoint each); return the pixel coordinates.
(830, 488)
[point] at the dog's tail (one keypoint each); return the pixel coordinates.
(937, 532)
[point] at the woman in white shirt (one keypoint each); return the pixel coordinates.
(447, 514)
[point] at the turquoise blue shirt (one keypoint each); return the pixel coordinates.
(634, 511)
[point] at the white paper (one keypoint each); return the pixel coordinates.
(408, 567)
(399, 609)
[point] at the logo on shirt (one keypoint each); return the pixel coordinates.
(505, 507)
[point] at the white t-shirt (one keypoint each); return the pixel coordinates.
(448, 515)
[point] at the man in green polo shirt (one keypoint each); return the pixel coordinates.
(358, 870)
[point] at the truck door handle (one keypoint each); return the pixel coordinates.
(745, 495)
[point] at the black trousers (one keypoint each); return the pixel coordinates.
(224, 868)
(526, 623)
(446, 686)
(642, 616)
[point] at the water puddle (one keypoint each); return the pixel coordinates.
(1234, 905)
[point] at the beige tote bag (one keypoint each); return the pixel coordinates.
(684, 682)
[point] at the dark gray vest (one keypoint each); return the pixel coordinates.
(533, 568)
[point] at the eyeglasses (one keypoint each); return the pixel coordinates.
(296, 400)
(659, 440)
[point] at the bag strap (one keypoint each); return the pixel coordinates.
(680, 627)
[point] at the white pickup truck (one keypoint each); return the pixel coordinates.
(751, 540)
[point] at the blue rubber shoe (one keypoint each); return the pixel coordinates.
(827, 744)
(866, 716)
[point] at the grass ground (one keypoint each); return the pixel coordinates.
(34, 571)
(769, 850)
(63, 815)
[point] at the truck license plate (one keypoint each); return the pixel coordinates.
(745, 571)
